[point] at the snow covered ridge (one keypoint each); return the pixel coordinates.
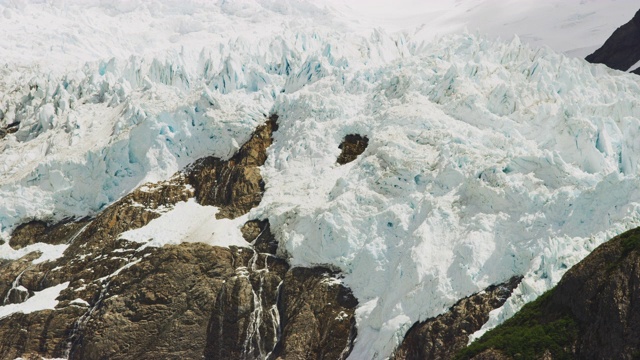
(485, 160)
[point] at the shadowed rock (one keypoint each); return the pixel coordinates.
(318, 316)
(622, 48)
(352, 146)
(596, 300)
(443, 336)
(39, 231)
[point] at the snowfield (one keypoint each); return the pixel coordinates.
(486, 159)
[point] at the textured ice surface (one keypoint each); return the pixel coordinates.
(485, 160)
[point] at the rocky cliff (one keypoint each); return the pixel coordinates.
(121, 300)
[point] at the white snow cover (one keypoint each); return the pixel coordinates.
(48, 252)
(486, 159)
(575, 27)
(59, 34)
(189, 222)
(41, 300)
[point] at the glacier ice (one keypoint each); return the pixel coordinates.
(485, 159)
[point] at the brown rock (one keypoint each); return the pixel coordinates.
(37, 334)
(39, 231)
(234, 185)
(317, 316)
(352, 146)
(259, 234)
(443, 336)
(162, 306)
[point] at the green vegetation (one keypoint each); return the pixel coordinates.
(630, 241)
(532, 331)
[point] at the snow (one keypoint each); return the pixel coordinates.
(41, 300)
(486, 159)
(48, 252)
(575, 27)
(79, 302)
(59, 35)
(189, 222)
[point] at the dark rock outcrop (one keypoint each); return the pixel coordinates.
(622, 48)
(607, 309)
(235, 185)
(9, 129)
(39, 231)
(443, 336)
(259, 234)
(352, 146)
(593, 312)
(318, 316)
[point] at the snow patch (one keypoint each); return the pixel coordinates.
(79, 302)
(189, 222)
(47, 252)
(41, 300)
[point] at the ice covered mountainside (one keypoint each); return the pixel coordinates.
(485, 160)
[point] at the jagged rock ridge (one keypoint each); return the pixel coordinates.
(622, 50)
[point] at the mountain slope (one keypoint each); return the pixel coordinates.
(595, 300)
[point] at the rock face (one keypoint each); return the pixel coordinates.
(258, 233)
(235, 185)
(352, 146)
(622, 49)
(176, 302)
(317, 316)
(39, 231)
(443, 336)
(162, 306)
(593, 313)
(607, 309)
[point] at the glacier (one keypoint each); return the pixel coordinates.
(486, 159)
